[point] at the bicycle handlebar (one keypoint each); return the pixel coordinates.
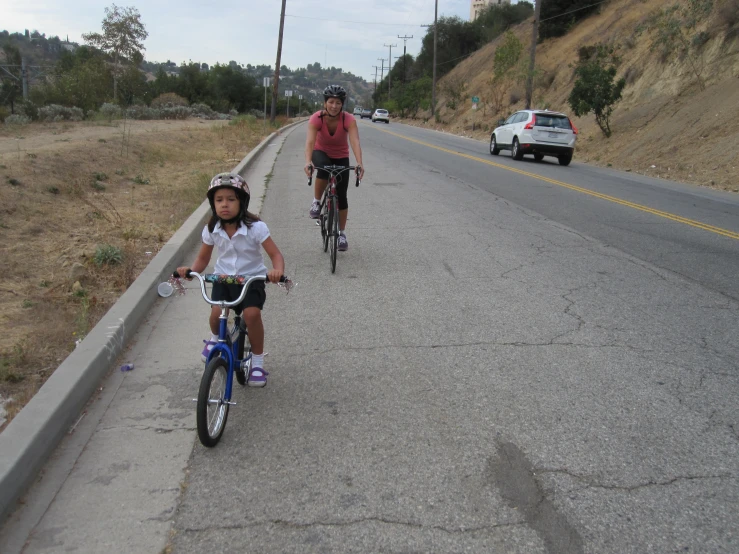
(333, 169)
(212, 276)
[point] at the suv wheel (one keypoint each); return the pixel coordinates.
(565, 160)
(494, 150)
(538, 157)
(516, 150)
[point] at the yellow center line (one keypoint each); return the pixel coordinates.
(666, 215)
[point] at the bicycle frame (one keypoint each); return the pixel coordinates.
(225, 347)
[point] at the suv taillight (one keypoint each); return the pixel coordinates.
(530, 124)
(574, 129)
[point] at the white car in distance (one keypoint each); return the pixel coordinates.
(381, 115)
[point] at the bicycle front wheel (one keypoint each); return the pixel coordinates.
(212, 410)
(324, 228)
(334, 234)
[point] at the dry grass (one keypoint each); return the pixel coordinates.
(83, 208)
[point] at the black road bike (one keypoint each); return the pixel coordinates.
(328, 219)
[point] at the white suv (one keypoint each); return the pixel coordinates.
(381, 115)
(538, 132)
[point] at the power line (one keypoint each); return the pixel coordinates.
(357, 22)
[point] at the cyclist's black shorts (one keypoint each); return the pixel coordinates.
(320, 159)
(255, 296)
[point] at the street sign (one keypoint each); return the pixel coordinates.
(266, 82)
(288, 93)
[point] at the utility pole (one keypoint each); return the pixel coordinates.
(433, 80)
(534, 36)
(382, 72)
(24, 78)
(376, 68)
(275, 85)
(389, 65)
(405, 38)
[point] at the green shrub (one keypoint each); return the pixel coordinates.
(17, 119)
(55, 112)
(110, 111)
(107, 254)
(168, 98)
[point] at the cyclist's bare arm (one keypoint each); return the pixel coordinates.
(275, 256)
(310, 142)
(356, 147)
(201, 260)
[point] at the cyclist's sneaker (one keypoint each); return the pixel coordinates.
(343, 243)
(257, 377)
(315, 209)
(209, 344)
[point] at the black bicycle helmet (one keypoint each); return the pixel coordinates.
(334, 91)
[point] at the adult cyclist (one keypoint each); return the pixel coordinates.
(326, 144)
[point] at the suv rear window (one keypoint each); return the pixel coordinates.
(556, 121)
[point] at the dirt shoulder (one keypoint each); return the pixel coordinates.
(83, 208)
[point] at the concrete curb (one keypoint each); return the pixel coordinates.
(31, 437)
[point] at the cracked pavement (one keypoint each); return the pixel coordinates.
(476, 377)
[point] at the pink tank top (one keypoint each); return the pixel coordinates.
(336, 145)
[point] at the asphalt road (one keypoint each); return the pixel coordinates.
(511, 357)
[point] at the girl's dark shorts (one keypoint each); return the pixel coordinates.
(319, 159)
(255, 296)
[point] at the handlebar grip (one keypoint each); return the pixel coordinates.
(176, 275)
(310, 178)
(358, 181)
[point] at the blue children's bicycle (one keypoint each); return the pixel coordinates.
(230, 355)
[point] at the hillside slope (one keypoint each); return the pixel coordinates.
(665, 125)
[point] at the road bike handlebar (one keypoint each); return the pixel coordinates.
(334, 169)
(245, 280)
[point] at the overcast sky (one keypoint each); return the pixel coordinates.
(343, 33)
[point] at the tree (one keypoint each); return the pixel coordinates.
(594, 88)
(10, 78)
(454, 90)
(122, 37)
(507, 57)
(558, 16)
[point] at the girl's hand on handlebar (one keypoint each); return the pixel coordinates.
(183, 272)
(360, 172)
(274, 275)
(308, 169)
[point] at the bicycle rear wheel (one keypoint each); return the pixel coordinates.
(334, 235)
(212, 409)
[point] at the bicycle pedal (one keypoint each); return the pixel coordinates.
(318, 223)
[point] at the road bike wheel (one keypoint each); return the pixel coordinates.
(212, 410)
(329, 224)
(334, 235)
(324, 229)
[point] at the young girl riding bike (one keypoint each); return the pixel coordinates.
(239, 236)
(326, 144)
